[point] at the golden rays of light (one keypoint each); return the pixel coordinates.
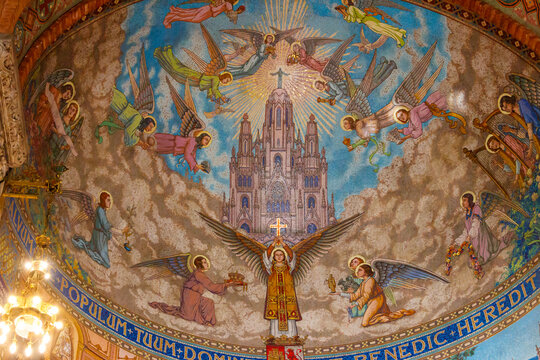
(249, 95)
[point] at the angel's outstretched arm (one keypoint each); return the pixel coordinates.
(267, 262)
(363, 294)
(215, 288)
(270, 248)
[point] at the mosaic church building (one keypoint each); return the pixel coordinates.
(278, 175)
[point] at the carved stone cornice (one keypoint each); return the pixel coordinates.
(13, 137)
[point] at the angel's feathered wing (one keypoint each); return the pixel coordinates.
(242, 246)
(254, 37)
(189, 120)
(174, 67)
(362, 4)
(529, 87)
(143, 92)
(396, 273)
(318, 244)
(235, 45)
(57, 78)
(489, 202)
(86, 202)
(311, 44)
(217, 61)
(286, 35)
(333, 70)
(172, 265)
(374, 76)
(409, 93)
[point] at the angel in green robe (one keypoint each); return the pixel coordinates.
(136, 120)
(354, 14)
(209, 76)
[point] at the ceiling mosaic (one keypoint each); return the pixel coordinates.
(234, 170)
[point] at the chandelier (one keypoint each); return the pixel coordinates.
(26, 320)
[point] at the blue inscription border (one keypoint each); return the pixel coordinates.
(123, 328)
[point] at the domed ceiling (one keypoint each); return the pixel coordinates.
(382, 133)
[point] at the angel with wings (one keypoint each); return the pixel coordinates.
(281, 267)
(98, 246)
(405, 107)
(375, 75)
(337, 83)
(264, 45)
(53, 93)
(208, 77)
(528, 107)
(352, 13)
(193, 306)
(374, 283)
(477, 237)
(192, 134)
(200, 14)
(512, 152)
(303, 52)
(136, 120)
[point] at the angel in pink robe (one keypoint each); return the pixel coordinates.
(476, 238)
(478, 233)
(198, 15)
(419, 115)
(179, 145)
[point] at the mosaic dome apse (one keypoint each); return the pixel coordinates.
(306, 112)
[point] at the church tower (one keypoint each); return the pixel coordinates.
(277, 128)
(278, 175)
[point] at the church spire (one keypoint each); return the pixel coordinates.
(332, 212)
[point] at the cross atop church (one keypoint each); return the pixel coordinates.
(279, 74)
(278, 226)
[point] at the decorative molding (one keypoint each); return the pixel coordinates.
(81, 13)
(491, 22)
(9, 12)
(13, 137)
(528, 10)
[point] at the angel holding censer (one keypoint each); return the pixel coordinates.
(281, 267)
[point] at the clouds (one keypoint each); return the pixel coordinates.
(410, 207)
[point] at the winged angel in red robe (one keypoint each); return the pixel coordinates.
(281, 267)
